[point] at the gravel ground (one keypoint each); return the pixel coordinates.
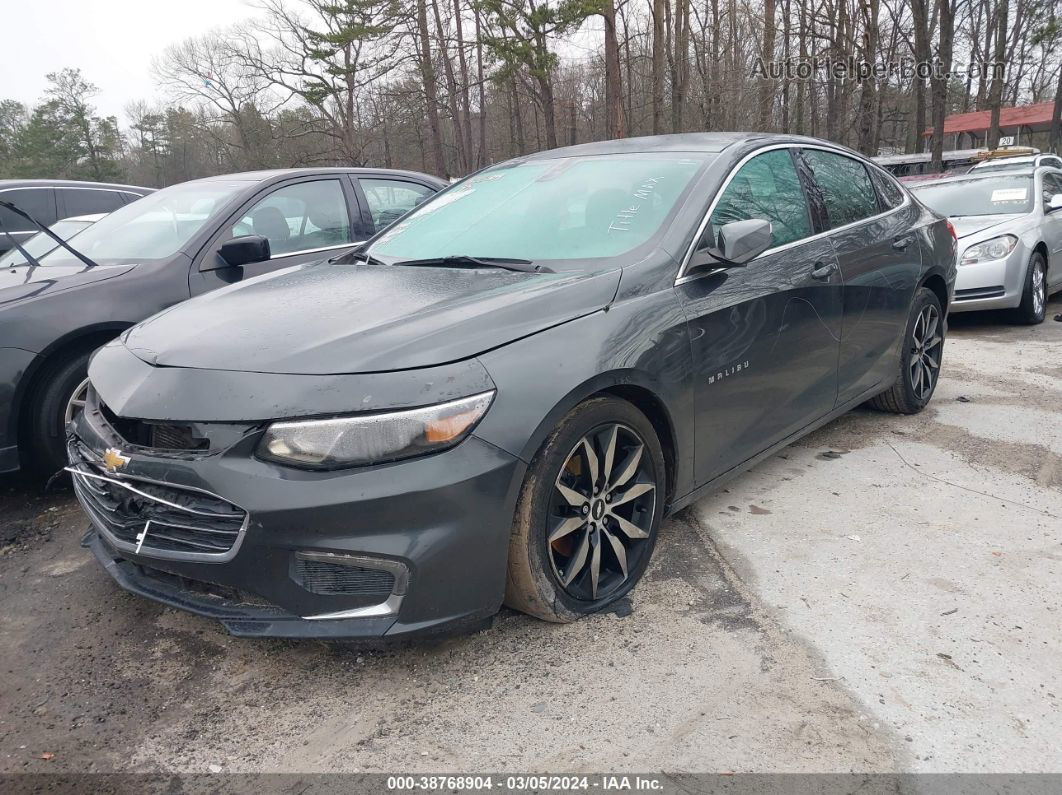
(882, 596)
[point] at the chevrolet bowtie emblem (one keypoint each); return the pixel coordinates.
(113, 460)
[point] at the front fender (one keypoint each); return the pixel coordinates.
(642, 342)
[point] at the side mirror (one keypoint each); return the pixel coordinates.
(733, 245)
(1054, 203)
(244, 250)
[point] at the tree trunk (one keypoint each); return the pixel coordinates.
(427, 76)
(455, 103)
(658, 66)
(615, 120)
(946, 23)
(998, 66)
(466, 102)
(867, 96)
(680, 64)
(770, 8)
(920, 22)
(482, 156)
(518, 118)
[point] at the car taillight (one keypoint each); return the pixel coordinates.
(951, 230)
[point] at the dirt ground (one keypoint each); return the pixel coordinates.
(882, 596)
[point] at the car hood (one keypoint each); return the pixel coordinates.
(33, 281)
(966, 225)
(358, 318)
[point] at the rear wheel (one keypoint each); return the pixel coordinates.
(920, 358)
(1033, 304)
(57, 398)
(588, 514)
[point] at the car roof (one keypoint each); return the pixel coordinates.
(707, 143)
(278, 173)
(69, 183)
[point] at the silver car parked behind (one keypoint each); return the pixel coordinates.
(1009, 226)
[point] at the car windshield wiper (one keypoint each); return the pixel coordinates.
(13, 208)
(466, 261)
(365, 257)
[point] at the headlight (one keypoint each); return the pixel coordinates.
(996, 248)
(373, 438)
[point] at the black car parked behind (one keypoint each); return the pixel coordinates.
(51, 200)
(504, 393)
(178, 242)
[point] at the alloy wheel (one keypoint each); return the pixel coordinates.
(76, 404)
(601, 512)
(926, 345)
(1038, 290)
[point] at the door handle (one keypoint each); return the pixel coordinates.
(901, 243)
(823, 271)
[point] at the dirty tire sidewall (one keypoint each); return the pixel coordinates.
(531, 586)
(46, 449)
(900, 398)
(1026, 312)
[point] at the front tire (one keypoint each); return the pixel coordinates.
(588, 514)
(920, 358)
(1033, 306)
(54, 402)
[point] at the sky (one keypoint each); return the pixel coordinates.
(113, 42)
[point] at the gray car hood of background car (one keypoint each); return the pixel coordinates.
(359, 318)
(966, 225)
(31, 281)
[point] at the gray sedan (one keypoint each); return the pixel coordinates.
(1009, 226)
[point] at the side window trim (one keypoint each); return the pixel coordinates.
(683, 276)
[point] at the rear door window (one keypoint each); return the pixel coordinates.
(38, 202)
(847, 191)
(766, 187)
(87, 201)
(390, 199)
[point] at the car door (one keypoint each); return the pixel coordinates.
(764, 336)
(38, 202)
(386, 199)
(304, 220)
(1052, 229)
(880, 259)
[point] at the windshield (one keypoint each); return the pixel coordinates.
(40, 244)
(153, 227)
(563, 209)
(991, 196)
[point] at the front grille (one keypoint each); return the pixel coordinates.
(157, 518)
(157, 435)
(320, 577)
(979, 292)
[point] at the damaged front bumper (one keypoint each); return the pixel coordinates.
(411, 547)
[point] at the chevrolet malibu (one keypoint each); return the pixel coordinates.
(498, 399)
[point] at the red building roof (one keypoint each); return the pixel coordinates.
(981, 120)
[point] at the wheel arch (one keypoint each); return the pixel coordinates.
(634, 387)
(935, 282)
(1041, 246)
(69, 344)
